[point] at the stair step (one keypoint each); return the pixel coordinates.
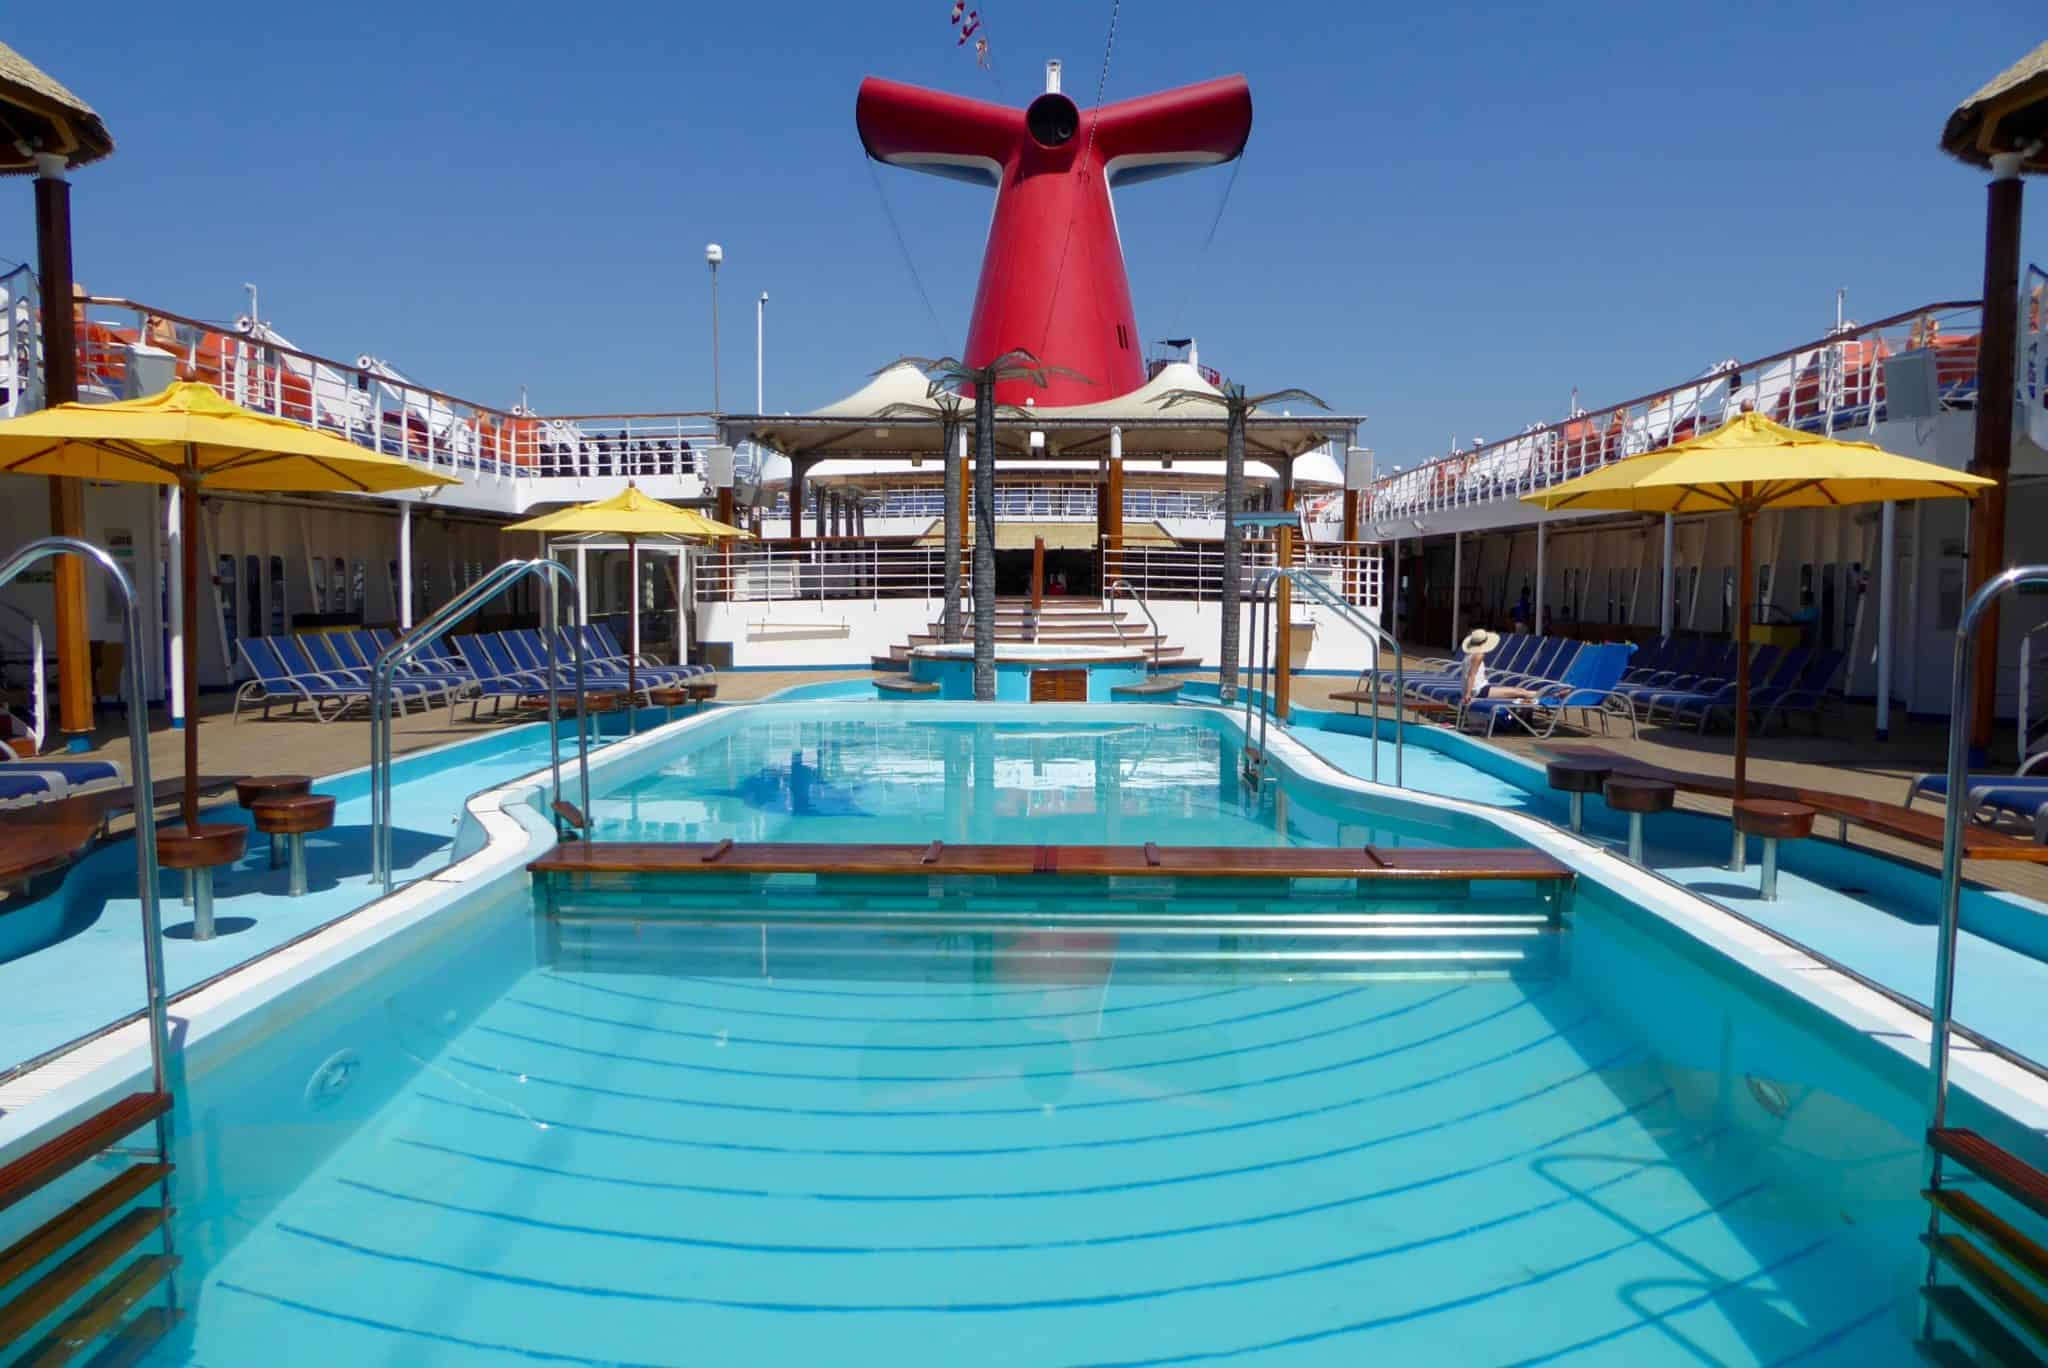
(888, 664)
(132, 1345)
(67, 1225)
(95, 1318)
(1967, 1316)
(2005, 1171)
(1994, 1230)
(1996, 1285)
(59, 1155)
(35, 1302)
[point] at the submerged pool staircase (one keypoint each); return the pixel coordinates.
(1998, 1301)
(63, 1274)
(795, 909)
(1083, 621)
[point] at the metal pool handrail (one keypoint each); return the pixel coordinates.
(139, 775)
(438, 625)
(1264, 659)
(1143, 607)
(1954, 814)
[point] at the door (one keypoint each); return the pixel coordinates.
(1059, 686)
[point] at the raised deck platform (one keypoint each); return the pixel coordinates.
(938, 858)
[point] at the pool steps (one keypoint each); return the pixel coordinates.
(2012, 1282)
(99, 1314)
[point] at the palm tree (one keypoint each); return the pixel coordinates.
(951, 375)
(1237, 406)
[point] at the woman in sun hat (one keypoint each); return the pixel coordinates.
(1475, 647)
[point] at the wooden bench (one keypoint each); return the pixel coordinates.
(1889, 819)
(1421, 707)
(937, 857)
(42, 838)
(906, 686)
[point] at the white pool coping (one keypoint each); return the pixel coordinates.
(216, 1022)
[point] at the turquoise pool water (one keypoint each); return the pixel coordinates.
(951, 1146)
(809, 772)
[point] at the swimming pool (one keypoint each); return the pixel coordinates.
(1151, 1124)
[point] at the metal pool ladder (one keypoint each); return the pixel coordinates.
(438, 625)
(1265, 661)
(1996, 1266)
(82, 1232)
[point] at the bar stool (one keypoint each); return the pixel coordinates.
(670, 698)
(292, 817)
(1578, 777)
(199, 850)
(1773, 821)
(1636, 795)
(253, 790)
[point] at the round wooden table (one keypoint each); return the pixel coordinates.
(1636, 796)
(292, 816)
(256, 788)
(1578, 777)
(199, 850)
(1774, 820)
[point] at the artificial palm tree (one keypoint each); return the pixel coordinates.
(1237, 406)
(950, 375)
(950, 408)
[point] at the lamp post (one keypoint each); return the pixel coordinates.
(760, 323)
(713, 254)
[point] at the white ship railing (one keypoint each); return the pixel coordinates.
(822, 568)
(1834, 385)
(370, 403)
(1350, 570)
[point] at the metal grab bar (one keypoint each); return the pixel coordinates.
(1264, 660)
(1954, 815)
(433, 629)
(1143, 607)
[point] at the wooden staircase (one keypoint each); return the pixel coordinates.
(61, 1279)
(1076, 622)
(1996, 1303)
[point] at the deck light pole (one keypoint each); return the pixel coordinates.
(760, 324)
(713, 254)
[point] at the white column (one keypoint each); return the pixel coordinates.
(1457, 576)
(174, 547)
(582, 585)
(633, 594)
(1670, 601)
(1536, 609)
(1391, 591)
(1887, 570)
(405, 565)
(684, 599)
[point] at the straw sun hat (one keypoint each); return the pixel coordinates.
(1480, 640)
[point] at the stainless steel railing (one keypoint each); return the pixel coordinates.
(1143, 607)
(139, 775)
(1306, 581)
(438, 625)
(1955, 815)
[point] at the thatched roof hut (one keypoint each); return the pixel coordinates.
(37, 114)
(2009, 114)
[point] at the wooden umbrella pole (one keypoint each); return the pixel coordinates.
(188, 520)
(1747, 592)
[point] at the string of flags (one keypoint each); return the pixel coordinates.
(969, 23)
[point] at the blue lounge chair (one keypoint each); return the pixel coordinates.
(274, 681)
(1810, 694)
(1706, 692)
(42, 778)
(25, 787)
(1588, 686)
(498, 677)
(602, 645)
(1766, 683)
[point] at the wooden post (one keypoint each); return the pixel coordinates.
(966, 517)
(1113, 514)
(1037, 577)
(798, 468)
(67, 496)
(1351, 502)
(1998, 342)
(1283, 627)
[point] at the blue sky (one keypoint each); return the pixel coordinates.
(1448, 216)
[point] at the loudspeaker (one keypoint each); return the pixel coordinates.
(718, 466)
(1358, 463)
(1910, 388)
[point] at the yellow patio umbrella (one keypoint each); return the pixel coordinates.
(1745, 466)
(190, 437)
(632, 515)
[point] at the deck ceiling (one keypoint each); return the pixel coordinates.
(1187, 432)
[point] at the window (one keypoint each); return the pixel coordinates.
(252, 571)
(340, 582)
(398, 604)
(276, 595)
(1763, 592)
(319, 584)
(357, 584)
(1727, 600)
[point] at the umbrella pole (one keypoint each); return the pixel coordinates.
(1746, 590)
(188, 520)
(633, 645)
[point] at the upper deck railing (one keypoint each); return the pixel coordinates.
(1832, 385)
(507, 457)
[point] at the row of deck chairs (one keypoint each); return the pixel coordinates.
(44, 779)
(2021, 796)
(1695, 681)
(1566, 676)
(330, 672)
